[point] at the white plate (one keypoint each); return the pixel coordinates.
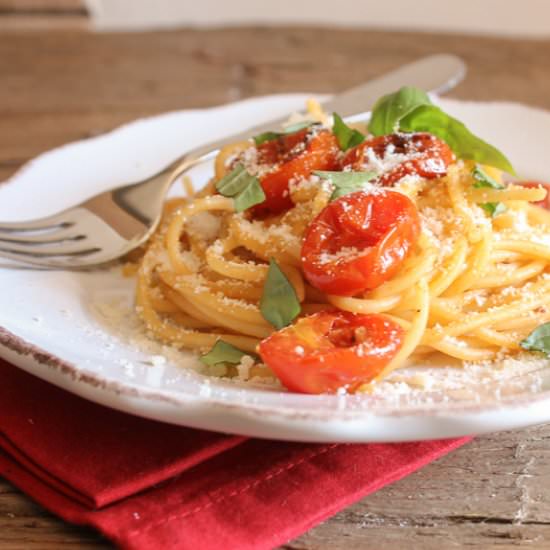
(53, 323)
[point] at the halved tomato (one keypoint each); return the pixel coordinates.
(359, 241)
(330, 350)
(296, 155)
(418, 153)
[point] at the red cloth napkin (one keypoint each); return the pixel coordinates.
(146, 485)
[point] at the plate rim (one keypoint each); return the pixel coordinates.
(21, 347)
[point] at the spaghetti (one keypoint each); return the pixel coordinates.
(473, 283)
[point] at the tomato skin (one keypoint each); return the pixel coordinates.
(280, 149)
(319, 153)
(318, 354)
(430, 156)
(382, 226)
(544, 203)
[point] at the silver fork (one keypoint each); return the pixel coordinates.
(111, 224)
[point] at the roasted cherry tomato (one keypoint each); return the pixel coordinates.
(296, 156)
(427, 156)
(330, 350)
(544, 203)
(359, 241)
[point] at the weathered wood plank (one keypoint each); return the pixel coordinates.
(194, 68)
(27, 15)
(19, 15)
(488, 494)
(24, 524)
(51, 6)
(42, 6)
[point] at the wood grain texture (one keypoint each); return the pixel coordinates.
(17, 15)
(66, 85)
(42, 6)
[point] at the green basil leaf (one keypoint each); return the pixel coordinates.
(244, 188)
(265, 136)
(222, 352)
(252, 194)
(347, 137)
(279, 304)
(538, 340)
(429, 118)
(493, 208)
(484, 180)
(391, 108)
(234, 182)
(291, 129)
(345, 183)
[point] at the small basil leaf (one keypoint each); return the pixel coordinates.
(493, 208)
(345, 183)
(234, 182)
(484, 180)
(243, 187)
(429, 118)
(265, 136)
(538, 340)
(222, 352)
(279, 304)
(291, 129)
(251, 195)
(347, 137)
(391, 108)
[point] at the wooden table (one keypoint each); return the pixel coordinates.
(59, 82)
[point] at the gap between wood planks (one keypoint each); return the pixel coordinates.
(50, 15)
(42, 6)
